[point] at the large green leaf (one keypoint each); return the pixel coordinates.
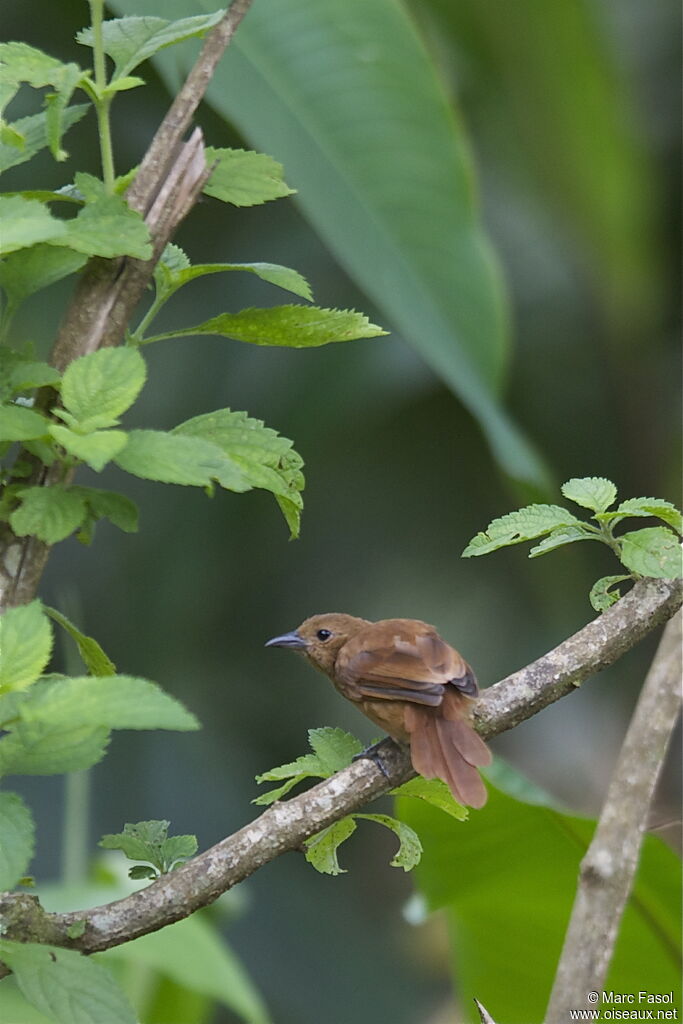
(549, 94)
(344, 93)
(507, 879)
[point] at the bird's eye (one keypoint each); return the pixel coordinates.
(323, 634)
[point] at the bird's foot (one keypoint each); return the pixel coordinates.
(373, 754)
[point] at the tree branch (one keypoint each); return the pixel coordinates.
(609, 866)
(285, 826)
(168, 183)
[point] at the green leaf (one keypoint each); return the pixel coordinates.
(512, 872)
(254, 456)
(289, 326)
(178, 848)
(244, 178)
(194, 955)
(17, 839)
(592, 492)
(410, 848)
(321, 849)
(656, 507)
(652, 552)
(34, 130)
(603, 594)
(20, 424)
(265, 799)
(25, 646)
(108, 228)
(121, 511)
(48, 749)
(116, 702)
(49, 513)
(434, 792)
(524, 524)
(99, 387)
(306, 765)
(565, 535)
(171, 458)
(27, 271)
(94, 658)
(66, 986)
(26, 222)
(130, 41)
(27, 375)
(96, 449)
(335, 748)
(170, 279)
(345, 94)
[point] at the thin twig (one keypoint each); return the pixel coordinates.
(609, 866)
(286, 825)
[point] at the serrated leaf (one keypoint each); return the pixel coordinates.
(288, 326)
(27, 271)
(177, 848)
(557, 538)
(130, 41)
(434, 792)
(656, 507)
(42, 748)
(96, 449)
(171, 458)
(20, 424)
(603, 595)
(652, 552)
(49, 513)
(17, 838)
(25, 646)
(34, 132)
(307, 764)
(108, 228)
(117, 702)
(254, 456)
(169, 280)
(244, 178)
(321, 849)
(66, 986)
(524, 524)
(26, 222)
(99, 387)
(94, 658)
(119, 509)
(335, 748)
(592, 492)
(410, 847)
(141, 840)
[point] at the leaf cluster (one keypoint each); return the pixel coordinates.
(653, 551)
(332, 750)
(150, 842)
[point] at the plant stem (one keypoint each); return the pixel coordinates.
(75, 829)
(102, 103)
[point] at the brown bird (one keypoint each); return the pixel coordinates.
(410, 682)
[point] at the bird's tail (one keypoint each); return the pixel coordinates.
(444, 745)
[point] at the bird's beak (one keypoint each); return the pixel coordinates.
(293, 640)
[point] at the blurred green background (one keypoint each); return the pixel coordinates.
(572, 122)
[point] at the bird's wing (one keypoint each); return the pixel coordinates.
(401, 659)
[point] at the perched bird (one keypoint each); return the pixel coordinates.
(410, 682)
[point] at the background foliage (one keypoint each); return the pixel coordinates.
(570, 137)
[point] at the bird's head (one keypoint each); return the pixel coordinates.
(321, 637)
